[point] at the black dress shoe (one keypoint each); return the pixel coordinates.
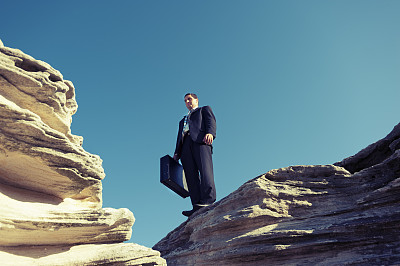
(189, 213)
(195, 208)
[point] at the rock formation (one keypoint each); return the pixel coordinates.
(346, 213)
(51, 205)
(50, 187)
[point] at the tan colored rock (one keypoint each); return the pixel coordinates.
(301, 215)
(84, 255)
(50, 187)
(32, 218)
(36, 86)
(37, 157)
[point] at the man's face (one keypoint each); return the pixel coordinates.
(191, 102)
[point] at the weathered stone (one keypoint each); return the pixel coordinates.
(301, 215)
(50, 187)
(37, 157)
(374, 153)
(85, 255)
(32, 218)
(36, 86)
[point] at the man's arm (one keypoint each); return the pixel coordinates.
(210, 125)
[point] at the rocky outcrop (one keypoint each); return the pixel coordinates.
(82, 255)
(50, 187)
(339, 214)
(37, 149)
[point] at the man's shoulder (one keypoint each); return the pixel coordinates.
(201, 110)
(207, 108)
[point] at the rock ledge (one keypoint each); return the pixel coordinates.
(50, 187)
(339, 214)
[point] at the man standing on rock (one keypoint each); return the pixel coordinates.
(197, 131)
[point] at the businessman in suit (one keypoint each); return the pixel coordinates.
(197, 131)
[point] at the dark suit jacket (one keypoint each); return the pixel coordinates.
(201, 122)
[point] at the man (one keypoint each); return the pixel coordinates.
(197, 131)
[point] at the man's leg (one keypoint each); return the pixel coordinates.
(203, 159)
(191, 170)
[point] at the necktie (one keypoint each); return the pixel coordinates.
(186, 124)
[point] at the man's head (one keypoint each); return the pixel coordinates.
(191, 101)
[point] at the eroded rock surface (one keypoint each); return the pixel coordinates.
(82, 255)
(37, 149)
(347, 213)
(50, 187)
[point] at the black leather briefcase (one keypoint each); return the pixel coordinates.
(173, 176)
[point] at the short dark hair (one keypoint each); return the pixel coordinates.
(191, 94)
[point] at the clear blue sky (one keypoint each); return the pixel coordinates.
(290, 82)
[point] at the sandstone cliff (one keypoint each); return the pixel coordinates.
(51, 205)
(50, 187)
(341, 214)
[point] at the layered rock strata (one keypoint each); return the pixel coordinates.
(339, 214)
(50, 187)
(82, 255)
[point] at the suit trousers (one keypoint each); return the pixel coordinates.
(197, 158)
